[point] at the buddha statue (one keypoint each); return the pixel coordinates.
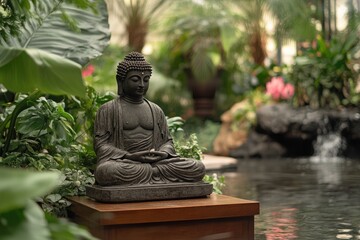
(132, 141)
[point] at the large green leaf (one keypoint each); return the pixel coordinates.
(45, 29)
(18, 186)
(31, 69)
(24, 223)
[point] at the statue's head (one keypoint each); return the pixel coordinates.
(133, 66)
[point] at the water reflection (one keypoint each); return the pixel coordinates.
(282, 225)
(327, 171)
(301, 198)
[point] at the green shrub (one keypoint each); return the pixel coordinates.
(218, 182)
(206, 132)
(22, 218)
(323, 76)
(48, 137)
(188, 147)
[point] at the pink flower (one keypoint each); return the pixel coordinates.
(288, 91)
(277, 89)
(274, 87)
(88, 70)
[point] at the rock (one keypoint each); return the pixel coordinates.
(259, 146)
(348, 124)
(281, 119)
(284, 131)
(273, 119)
(229, 138)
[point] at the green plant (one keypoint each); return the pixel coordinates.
(291, 19)
(52, 135)
(244, 115)
(30, 61)
(212, 34)
(175, 124)
(202, 38)
(205, 131)
(72, 183)
(14, 13)
(45, 122)
(103, 78)
(137, 16)
(9, 21)
(322, 74)
(7, 127)
(51, 64)
(161, 92)
(196, 49)
(21, 217)
(84, 112)
(42, 62)
(218, 182)
(188, 147)
(46, 140)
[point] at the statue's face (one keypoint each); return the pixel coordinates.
(136, 83)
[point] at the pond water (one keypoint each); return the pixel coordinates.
(307, 198)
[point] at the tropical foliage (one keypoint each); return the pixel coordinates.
(217, 33)
(56, 136)
(102, 77)
(43, 54)
(222, 44)
(136, 16)
(199, 40)
(21, 217)
(187, 146)
(31, 60)
(323, 74)
(292, 21)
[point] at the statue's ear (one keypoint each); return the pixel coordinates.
(120, 89)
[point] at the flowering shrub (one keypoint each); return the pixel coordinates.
(279, 90)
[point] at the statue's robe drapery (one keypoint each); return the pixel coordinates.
(113, 169)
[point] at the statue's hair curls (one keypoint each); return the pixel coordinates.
(132, 61)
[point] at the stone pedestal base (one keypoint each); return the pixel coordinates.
(118, 194)
(213, 217)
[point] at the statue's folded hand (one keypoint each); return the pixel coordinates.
(137, 156)
(153, 156)
(159, 154)
(146, 156)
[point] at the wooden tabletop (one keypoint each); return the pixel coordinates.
(214, 206)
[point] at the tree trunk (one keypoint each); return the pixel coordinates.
(137, 32)
(258, 47)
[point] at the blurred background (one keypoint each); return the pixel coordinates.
(209, 56)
